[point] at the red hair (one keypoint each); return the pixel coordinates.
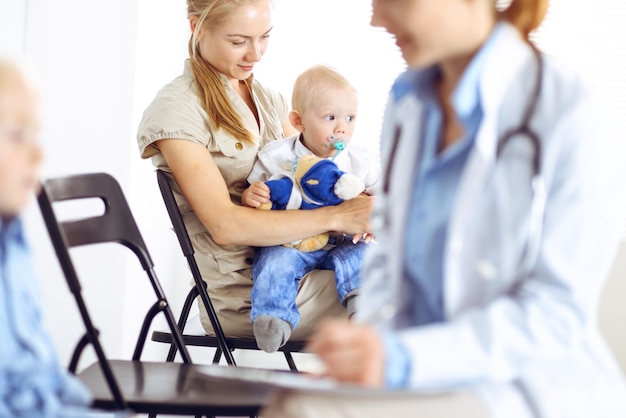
(526, 15)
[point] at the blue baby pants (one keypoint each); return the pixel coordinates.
(277, 270)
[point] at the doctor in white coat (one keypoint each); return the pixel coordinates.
(497, 224)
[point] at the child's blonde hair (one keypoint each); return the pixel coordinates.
(311, 82)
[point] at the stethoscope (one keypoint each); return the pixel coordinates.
(537, 183)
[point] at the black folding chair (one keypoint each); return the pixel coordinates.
(222, 344)
(139, 386)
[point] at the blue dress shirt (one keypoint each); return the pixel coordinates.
(32, 383)
(436, 176)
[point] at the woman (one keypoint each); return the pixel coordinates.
(206, 127)
(466, 288)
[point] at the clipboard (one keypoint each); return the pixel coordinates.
(208, 375)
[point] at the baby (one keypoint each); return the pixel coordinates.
(324, 109)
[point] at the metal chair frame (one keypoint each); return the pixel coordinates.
(139, 386)
(223, 344)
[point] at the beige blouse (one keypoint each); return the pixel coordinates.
(176, 113)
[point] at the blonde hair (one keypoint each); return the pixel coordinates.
(309, 84)
(211, 89)
(526, 15)
(17, 76)
(14, 71)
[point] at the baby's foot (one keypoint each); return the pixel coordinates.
(350, 302)
(270, 332)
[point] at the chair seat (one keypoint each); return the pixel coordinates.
(194, 335)
(166, 388)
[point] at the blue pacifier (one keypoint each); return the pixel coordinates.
(336, 143)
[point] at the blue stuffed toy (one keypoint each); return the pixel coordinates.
(316, 182)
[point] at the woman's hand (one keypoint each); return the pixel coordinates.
(351, 352)
(352, 217)
(255, 195)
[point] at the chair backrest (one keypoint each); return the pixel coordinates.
(182, 234)
(116, 225)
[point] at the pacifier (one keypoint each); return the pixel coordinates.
(336, 143)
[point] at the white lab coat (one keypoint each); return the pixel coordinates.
(536, 336)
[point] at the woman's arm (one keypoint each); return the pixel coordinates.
(202, 184)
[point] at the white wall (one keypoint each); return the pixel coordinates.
(85, 64)
(12, 26)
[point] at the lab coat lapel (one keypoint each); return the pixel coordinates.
(409, 116)
(383, 286)
(507, 57)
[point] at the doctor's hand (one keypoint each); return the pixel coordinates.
(350, 352)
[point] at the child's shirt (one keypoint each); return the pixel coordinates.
(32, 383)
(276, 160)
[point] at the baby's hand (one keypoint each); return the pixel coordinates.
(365, 237)
(255, 195)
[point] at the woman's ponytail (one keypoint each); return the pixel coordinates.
(211, 89)
(214, 99)
(526, 15)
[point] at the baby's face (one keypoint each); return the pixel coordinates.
(332, 115)
(20, 153)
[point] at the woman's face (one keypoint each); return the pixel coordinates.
(234, 47)
(428, 31)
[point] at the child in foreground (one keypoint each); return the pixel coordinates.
(32, 382)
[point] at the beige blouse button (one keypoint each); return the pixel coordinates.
(239, 146)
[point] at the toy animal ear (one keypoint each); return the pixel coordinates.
(348, 186)
(280, 191)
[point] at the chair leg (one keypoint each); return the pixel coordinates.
(290, 362)
(217, 356)
(171, 353)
